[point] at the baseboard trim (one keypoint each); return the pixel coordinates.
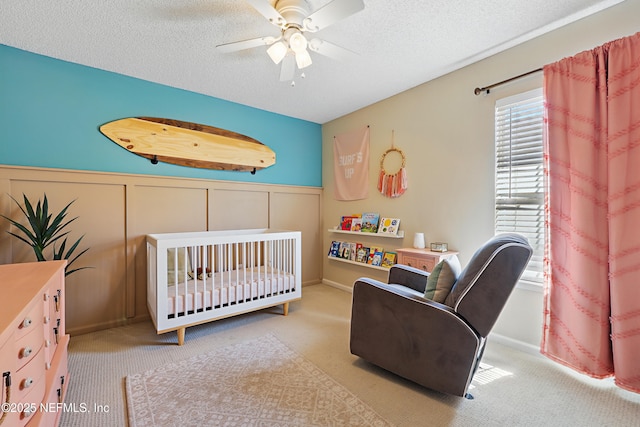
(107, 325)
(516, 344)
(337, 285)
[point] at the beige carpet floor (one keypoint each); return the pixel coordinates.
(513, 388)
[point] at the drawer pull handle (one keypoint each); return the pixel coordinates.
(61, 389)
(28, 411)
(27, 382)
(26, 352)
(26, 322)
(57, 299)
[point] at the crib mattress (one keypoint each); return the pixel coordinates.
(221, 289)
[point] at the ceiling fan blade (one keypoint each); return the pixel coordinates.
(246, 44)
(331, 50)
(332, 12)
(266, 10)
(288, 68)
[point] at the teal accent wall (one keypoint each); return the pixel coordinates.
(50, 112)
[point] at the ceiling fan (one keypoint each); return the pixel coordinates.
(294, 18)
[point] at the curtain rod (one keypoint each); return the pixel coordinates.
(479, 90)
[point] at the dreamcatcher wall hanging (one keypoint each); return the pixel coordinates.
(392, 185)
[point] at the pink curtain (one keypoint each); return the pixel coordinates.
(592, 159)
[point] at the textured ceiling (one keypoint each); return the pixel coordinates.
(400, 44)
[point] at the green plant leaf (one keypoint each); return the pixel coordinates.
(44, 230)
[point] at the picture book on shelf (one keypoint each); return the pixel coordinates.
(352, 251)
(377, 258)
(345, 250)
(389, 226)
(370, 222)
(356, 224)
(372, 251)
(345, 222)
(335, 247)
(389, 259)
(362, 254)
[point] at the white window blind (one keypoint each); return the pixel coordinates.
(519, 173)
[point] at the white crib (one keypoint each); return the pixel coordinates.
(193, 278)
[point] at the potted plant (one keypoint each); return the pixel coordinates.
(43, 231)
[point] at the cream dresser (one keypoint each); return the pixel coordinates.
(33, 343)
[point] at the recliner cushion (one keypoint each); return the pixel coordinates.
(442, 279)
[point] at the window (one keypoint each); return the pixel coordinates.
(520, 175)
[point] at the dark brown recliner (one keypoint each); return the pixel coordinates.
(438, 346)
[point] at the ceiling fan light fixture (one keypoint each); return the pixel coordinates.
(303, 59)
(298, 42)
(294, 18)
(277, 52)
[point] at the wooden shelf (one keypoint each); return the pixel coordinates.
(400, 234)
(361, 264)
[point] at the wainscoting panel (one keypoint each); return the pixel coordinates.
(293, 211)
(98, 292)
(235, 209)
(116, 211)
(162, 209)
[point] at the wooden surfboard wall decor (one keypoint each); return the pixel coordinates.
(189, 144)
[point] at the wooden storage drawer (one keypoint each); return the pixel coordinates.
(28, 346)
(51, 338)
(422, 259)
(32, 320)
(422, 264)
(28, 377)
(57, 380)
(30, 404)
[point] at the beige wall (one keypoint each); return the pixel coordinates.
(446, 133)
(116, 211)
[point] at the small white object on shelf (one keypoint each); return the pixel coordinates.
(418, 241)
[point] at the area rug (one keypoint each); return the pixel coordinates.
(257, 383)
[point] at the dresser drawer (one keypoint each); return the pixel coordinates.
(28, 377)
(30, 404)
(53, 298)
(425, 264)
(422, 259)
(32, 320)
(57, 380)
(52, 336)
(27, 347)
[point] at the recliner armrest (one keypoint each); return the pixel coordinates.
(404, 292)
(408, 276)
